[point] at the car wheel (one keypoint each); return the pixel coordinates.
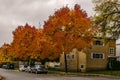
(36, 72)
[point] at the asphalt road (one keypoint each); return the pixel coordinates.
(16, 75)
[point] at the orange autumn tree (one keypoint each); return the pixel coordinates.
(30, 43)
(23, 38)
(43, 47)
(40, 46)
(4, 53)
(68, 29)
(48, 49)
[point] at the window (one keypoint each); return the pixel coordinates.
(73, 56)
(97, 56)
(81, 66)
(98, 42)
(111, 51)
(68, 56)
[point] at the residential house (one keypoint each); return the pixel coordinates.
(52, 64)
(118, 51)
(95, 57)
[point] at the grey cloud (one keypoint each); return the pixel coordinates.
(6, 35)
(20, 12)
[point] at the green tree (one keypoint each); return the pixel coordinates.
(107, 17)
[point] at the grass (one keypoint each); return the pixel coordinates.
(106, 72)
(103, 72)
(55, 71)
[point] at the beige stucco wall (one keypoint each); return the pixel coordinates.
(85, 59)
(99, 64)
(62, 63)
(82, 61)
(72, 64)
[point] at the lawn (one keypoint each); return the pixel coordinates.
(103, 72)
(106, 72)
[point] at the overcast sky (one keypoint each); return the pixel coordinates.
(33, 12)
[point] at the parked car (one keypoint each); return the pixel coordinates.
(22, 67)
(39, 69)
(8, 66)
(28, 69)
(4, 66)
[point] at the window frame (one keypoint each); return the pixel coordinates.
(92, 55)
(72, 56)
(113, 51)
(98, 43)
(68, 57)
(82, 66)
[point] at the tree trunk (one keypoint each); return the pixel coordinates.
(65, 63)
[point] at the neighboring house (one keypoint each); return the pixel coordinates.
(52, 64)
(95, 57)
(118, 50)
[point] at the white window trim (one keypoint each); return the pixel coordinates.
(72, 56)
(82, 65)
(113, 51)
(67, 57)
(98, 45)
(97, 53)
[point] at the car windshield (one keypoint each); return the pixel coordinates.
(40, 66)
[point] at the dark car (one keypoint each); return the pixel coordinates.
(4, 66)
(39, 69)
(8, 66)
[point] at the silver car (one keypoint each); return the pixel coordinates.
(22, 67)
(28, 69)
(39, 69)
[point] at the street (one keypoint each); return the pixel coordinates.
(16, 75)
